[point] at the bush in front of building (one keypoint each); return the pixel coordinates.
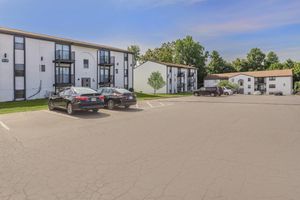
(229, 85)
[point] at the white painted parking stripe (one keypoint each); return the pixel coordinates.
(149, 104)
(60, 114)
(4, 126)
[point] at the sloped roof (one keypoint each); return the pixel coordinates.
(174, 65)
(258, 74)
(58, 39)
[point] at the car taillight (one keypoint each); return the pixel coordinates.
(80, 98)
(101, 98)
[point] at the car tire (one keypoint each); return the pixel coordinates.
(50, 105)
(212, 94)
(70, 110)
(110, 104)
(126, 107)
(226, 93)
(95, 110)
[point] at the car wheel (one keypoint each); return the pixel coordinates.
(226, 93)
(50, 105)
(110, 104)
(126, 107)
(70, 110)
(95, 110)
(212, 94)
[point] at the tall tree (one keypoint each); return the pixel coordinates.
(296, 71)
(190, 52)
(218, 65)
(256, 60)
(165, 53)
(271, 59)
(135, 49)
(240, 65)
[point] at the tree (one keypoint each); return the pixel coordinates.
(165, 53)
(289, 64)
(240, 65)
(218, 65)
(276, 66)
(255, 60)
(296, 71)
(189, 52)
(271, 59)
(228, 84)
(156, 81)
(135, 49)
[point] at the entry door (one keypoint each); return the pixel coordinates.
(86, 82)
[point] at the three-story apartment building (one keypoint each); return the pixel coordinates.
(34, 65)
(178, 78)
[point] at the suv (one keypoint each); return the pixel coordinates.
(209, 91)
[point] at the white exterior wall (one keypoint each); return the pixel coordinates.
(90, 54)
(211, 82)
(143, 72)
(247, 90)
(35, 49)
(6, 68)
(283, 84)
(36, 79)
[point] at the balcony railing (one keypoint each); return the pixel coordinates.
(107, 82)
(106, 60)
(180, 74)
(64, 56)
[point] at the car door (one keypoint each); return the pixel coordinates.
(57, 100)
(66, 98)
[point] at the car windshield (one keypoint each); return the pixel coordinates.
(82, 90)
(122, 91)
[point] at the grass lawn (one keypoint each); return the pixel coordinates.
(22, 106)
(42, 104)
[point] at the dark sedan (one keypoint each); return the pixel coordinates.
(117, 97)
(75, 99)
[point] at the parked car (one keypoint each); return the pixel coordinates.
(227, 91)
(75, 99)
(117, 97)
(278, 93)
(211, 91)
(257, 92)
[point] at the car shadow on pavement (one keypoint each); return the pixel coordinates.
(119, 109)
(90, 115)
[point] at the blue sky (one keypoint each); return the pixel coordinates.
(231, 27)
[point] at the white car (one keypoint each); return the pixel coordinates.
(227, 91)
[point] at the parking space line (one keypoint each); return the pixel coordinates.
(4, 126)
(149, 104)
(60, 114)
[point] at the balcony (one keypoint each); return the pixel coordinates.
(62, 56)
(107, 83)
(190, 75)
(180, 74)
(106, 60)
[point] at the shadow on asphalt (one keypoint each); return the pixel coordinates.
(83, 114)
(119, 109)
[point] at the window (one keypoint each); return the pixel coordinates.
(43, 68)
(272, 86)
(62, 52)
(272, 78)
(249, 79)
(19, 70)
(19, 43)
(85, 63)
(117, 71)
(20, 94)
(126, 57)
(249, 86)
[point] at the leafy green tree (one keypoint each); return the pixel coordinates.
(296, 71)
(165, 53)
(297, 86)
(190, 52)
(240, 65)
(136, 51)
(255, 60)
(275, 66)
(289, 64)
(218, 65)
(271, 59)
(156, 81)
(228, 84)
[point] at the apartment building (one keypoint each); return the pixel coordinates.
(178, 78)
(267, 82)
(34, 65)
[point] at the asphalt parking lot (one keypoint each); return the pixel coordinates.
(191, 148)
